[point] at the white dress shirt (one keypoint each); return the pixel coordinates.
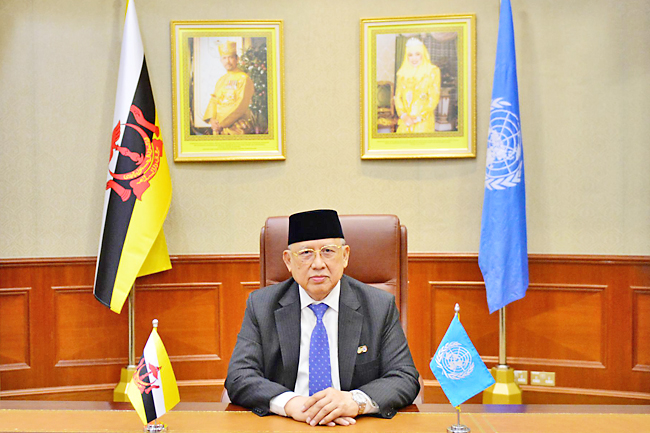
(307, 324)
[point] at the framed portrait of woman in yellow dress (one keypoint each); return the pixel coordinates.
(418, 87)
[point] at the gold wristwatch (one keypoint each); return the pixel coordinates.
(360, 400)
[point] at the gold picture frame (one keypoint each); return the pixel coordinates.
(418, 87)
(227, 84)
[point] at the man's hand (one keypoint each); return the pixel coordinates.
(296, 409)
(330, 407)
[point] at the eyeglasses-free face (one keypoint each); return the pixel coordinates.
(317, 265)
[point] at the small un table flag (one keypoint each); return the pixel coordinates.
(458, 366)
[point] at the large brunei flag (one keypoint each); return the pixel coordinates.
(153, 390)
(138, 186)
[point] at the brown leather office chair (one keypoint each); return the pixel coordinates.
(378, 253)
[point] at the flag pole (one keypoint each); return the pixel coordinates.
(505, 390)
(132, 326)
(119, 393)
(459, 369)
(458, 427)
(504, 264)
(502, 337)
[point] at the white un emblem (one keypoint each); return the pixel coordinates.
(455, 361)
(504, 156)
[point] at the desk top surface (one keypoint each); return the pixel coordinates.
(44, 416)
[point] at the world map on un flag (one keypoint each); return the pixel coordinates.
(504, 160)
(455, 361)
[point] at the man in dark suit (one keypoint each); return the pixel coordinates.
(321, 347)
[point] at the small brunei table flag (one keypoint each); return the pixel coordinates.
(153, 390)
(459, 368)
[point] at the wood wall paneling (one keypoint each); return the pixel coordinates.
(641, 329)
(83, 340)
(14, 328)
(203, 300)
(559, 323)
(189, 324)
(576, 321)
(585, 318)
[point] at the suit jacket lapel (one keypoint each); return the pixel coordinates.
(350, 322)
(287, 320)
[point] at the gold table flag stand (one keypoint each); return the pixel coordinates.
(119, 393)
(505, 390)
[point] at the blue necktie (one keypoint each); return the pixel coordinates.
(320, 371)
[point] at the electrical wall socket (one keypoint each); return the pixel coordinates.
(542, 378)
(521, 377)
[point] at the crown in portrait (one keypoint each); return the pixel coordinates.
(228, 48)
(414, 42)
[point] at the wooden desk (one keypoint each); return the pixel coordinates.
(42, 416)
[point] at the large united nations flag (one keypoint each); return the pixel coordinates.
(503, 251)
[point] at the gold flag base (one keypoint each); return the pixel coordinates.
(119, 393)
(505, 390)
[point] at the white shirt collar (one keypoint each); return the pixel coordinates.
(332, 299)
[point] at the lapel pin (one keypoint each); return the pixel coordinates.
(362, 349)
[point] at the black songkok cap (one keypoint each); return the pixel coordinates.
(313, 225)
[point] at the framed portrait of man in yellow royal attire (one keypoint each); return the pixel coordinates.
(227, 90)
(418, 87)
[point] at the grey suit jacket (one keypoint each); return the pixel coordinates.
(264, 363)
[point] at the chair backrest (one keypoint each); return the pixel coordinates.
(378, 253)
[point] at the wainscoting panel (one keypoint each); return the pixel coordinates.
(14, 328)
(586, 318)
(84, 339)
(579, 319)
(641, 329)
